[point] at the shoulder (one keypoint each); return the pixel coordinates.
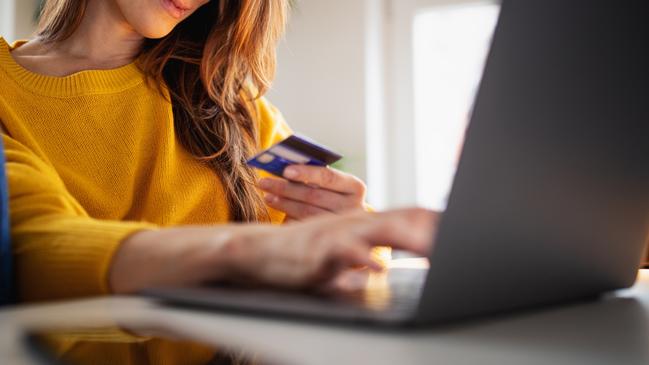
(31, 54)
(28, 48)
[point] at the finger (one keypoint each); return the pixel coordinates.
(325, 177)
(409, 229)
(344, 256)
(354, 254)
(324, 260)
(306, 194)
(289, 220)
(318, 262)
(294, 209)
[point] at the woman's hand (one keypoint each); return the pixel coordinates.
(293, 256)
(317, 250)
(312, 190)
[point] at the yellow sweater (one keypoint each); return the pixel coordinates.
(91, 159)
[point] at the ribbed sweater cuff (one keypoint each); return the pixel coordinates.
(77, 258)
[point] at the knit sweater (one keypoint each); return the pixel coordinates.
(91, 159)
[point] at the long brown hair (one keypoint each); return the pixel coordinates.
(214, 64)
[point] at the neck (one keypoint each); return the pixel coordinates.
(103, 37)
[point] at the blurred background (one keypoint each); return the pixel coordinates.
(388, 83)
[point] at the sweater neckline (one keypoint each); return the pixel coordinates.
(87, 82)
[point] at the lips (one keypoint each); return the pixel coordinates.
(175, 8)
(180, 5)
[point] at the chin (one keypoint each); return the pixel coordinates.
(155, 33)
(154, 30)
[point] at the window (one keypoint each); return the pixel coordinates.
(450, 44)
(436, 54)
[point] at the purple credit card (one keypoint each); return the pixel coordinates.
(294, 150)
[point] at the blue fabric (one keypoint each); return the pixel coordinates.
(6, 255)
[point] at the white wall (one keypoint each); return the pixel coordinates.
(326, 82)
(17, 18)
(25, 11)
(7, 19)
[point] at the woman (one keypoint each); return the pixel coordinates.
(125, 118)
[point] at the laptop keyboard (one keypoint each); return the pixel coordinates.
(394, 295)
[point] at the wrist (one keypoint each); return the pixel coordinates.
(127, 275)
(214, 257)
(173, 257)
(240, 255)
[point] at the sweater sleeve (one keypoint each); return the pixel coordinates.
(60, 251)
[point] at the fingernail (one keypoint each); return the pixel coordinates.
(291, 173)
(271, 199)
(376, 266)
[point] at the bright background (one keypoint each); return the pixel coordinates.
(388, 83)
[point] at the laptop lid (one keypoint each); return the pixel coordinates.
(551, 198)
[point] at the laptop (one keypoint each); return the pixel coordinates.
(550, 202)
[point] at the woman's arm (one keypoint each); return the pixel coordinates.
(62, 252)
(293, 256)
(59, 250)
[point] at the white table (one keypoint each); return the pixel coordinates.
(614, 330)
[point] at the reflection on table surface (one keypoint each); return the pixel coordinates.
(155, 343)
(98, 346)
(614, 330)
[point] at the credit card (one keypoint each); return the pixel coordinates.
(294, 150)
